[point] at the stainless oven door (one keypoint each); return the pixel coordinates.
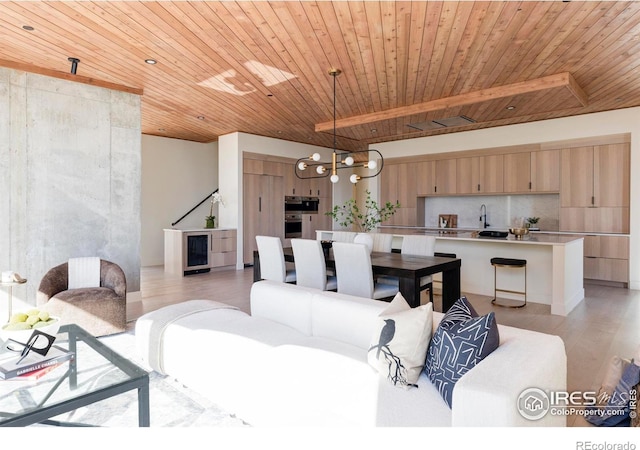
(292, 226)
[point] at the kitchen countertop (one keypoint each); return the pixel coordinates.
(539, 238)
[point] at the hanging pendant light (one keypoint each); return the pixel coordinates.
(339, 160)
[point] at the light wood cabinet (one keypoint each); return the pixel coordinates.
(534, 172)
(426, 178)
(594, 189)
(263, 212)
(398, 184)
(311, 187)
(517, 172)
(445, 177)
(223, 248)
(292, 184)
(214, 248)
(479, 175)
(595, 176)
(606, 258)
(545, 171)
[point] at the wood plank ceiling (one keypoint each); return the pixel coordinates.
(262, 67)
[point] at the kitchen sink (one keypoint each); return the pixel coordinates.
(491, 234)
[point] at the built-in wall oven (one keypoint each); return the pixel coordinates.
(292, 226)
(292, 204)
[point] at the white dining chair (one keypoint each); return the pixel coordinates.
(420, 245)
(272, 264)
(343, 236)
(311, 267)
(355, 274)
(382, 242)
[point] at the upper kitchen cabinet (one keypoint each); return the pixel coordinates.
(292, 184)
(532, 172)
(479, 175)
(319, 187)
(594, 190)
(398, 184)
(309, 187)
(446, 176)
(595, 176)
(545, 171)
(426, 178)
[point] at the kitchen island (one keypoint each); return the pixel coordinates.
(554, 264)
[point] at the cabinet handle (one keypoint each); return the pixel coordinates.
(478, 187)
(529, 185)
(259, 204)
(593, 200)
(435, 189)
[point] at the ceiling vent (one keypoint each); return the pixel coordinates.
(456, 121)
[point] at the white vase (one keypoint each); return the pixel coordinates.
(366, 239)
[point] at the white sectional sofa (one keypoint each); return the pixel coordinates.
(300, 359)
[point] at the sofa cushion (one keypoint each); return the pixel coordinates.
(399, 345)
(345, 318)
(460, 342)
(283, 303)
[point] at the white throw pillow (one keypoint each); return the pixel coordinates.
(83, 272)
(399, 346)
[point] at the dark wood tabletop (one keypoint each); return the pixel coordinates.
(408, 268)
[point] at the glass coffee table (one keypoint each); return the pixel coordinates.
(94, 374)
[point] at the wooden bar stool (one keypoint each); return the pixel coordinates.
(510, 263)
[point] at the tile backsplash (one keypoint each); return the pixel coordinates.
(501, 210)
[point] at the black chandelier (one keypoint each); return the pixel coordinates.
(339, 160)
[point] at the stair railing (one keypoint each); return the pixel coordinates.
(193, 209)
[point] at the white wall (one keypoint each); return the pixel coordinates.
(176, 176)
(69, 177)
(588, 125)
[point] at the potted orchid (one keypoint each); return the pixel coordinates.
(210, 220)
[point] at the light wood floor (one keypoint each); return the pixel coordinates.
(605, 324)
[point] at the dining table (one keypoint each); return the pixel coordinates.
(409, 269)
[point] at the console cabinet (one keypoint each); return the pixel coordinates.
(193, 251)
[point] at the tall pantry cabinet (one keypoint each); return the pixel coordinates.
(263, 212)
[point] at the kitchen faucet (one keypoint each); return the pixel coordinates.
(483, 216)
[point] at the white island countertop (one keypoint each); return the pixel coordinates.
(535, 237)
(554, 263)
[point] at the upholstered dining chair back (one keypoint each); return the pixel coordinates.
(343, 236)
(382, 242)
(355, 273)
(419, 245)
(311, 267)
(272, 264)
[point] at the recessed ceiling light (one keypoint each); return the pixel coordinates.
(28, 27)
(200, 117)
(150, 61)
(374, 130)
(161, 129)
(511, 107)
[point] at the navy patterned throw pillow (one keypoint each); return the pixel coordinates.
(461, 341)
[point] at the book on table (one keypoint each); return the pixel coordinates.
(32, 362)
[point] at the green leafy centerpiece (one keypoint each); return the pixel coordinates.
(363, 219)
